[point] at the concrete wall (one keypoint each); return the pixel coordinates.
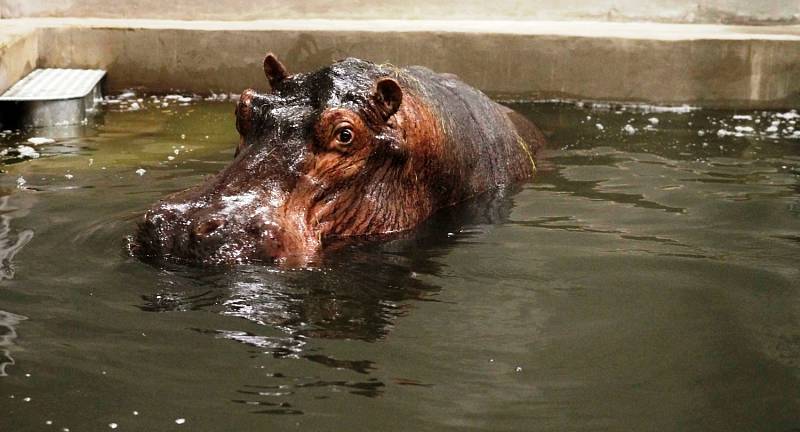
(701, 65)
(19, 54)
(692, 11)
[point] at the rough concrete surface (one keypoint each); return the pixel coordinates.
(689, 11)
(708, 65)
(19, 54)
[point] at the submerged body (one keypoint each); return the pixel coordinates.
(354, 149)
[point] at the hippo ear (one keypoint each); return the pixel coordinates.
(274, 69)
(388, 96)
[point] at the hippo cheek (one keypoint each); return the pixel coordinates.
(285, 241)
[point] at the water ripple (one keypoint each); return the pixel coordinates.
(8, 333)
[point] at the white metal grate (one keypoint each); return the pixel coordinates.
(54, 84)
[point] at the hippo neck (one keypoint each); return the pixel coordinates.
(471, 145)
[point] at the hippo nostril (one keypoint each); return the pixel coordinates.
(205, 228)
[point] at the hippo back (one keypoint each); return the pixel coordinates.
(490, 144)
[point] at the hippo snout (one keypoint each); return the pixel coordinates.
(204, 236)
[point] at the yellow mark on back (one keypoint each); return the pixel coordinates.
(525, 148)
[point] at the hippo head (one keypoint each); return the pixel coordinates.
(322, 156)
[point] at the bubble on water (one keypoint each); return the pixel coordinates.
(135, 106)
(518, 369)
(599, 126)
(183, 136)
(48, 422)
(772, 129)
(170, 157)
(69, 176)
(141, 171)
(745, 129)
(628, 129)
(653, 120)
(27, 399)
(136, 413)
(113, 425)
(742, 117)
(701, 133)
(180, 421)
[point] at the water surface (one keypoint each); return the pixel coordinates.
(646, 280)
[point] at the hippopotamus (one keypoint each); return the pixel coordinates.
(353, 150)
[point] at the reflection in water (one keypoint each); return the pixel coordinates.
(10, 243)
(358, 294)
(8, 332)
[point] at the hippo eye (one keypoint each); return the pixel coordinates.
(345, 135)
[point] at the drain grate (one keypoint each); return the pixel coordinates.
(53, 84)
(53, 97)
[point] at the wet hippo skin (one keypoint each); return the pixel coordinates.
(354, 149)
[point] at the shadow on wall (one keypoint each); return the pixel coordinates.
(687, 11)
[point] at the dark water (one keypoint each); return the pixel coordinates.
(645, 281)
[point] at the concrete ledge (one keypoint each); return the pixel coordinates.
(704, 65)
(686, 11)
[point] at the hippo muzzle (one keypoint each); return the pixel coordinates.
(238, 215)
(238, 228)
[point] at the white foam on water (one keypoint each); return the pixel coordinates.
(29, 152)
(40, 140)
